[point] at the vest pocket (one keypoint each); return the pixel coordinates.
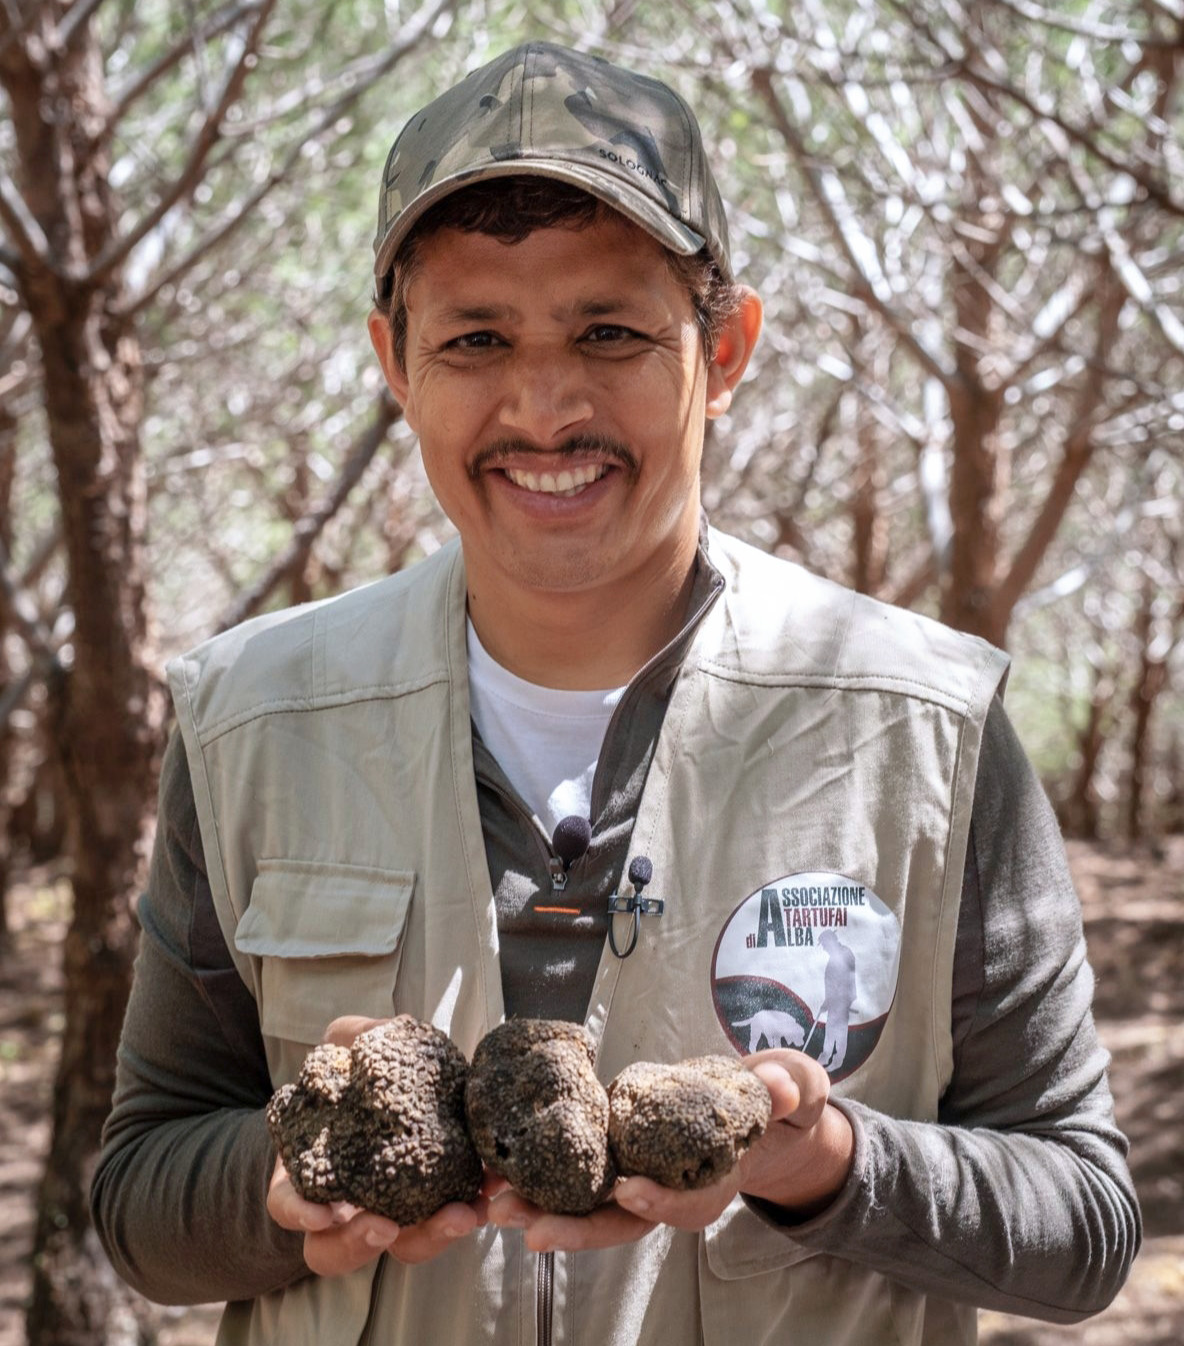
(328, 938)
(740, 1244)
(791, 1293)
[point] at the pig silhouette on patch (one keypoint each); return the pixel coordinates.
(778, 1029)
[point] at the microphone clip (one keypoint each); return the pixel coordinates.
(641, 871)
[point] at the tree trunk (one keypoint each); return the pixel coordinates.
(979, 473)
(1081, 807)
(7, 473)
(106, 710)
(1147, 686)
(1152, 679)
(869, 528)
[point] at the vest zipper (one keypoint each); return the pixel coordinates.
(544, 1298)
(555, 870)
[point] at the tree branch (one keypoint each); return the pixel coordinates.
(214, 27)
(75, 19)
(1075, 457)
(21, 612)
(1158, 192)
(762, 82)
(293, 558)
(368, 74)
(22, 225)
(194, 169)
(1100, 32)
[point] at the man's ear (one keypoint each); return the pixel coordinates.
(383, 341)
(737, 341)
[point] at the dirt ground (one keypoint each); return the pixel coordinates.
(1134, 909)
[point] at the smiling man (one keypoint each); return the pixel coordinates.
(863, 893)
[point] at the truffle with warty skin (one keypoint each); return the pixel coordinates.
(300, 1118)
(539, 1116)
(685, 1125)
(380, 1124)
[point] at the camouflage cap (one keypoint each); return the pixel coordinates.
(542, 109)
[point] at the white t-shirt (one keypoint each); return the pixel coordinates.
(547, 741)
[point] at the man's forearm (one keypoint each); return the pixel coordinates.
(154, 1201)
(1043, 1226)
(179, 1192)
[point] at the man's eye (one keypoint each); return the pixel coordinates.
(473, 341)
(606, 332)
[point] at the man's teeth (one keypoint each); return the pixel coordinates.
(564, 483)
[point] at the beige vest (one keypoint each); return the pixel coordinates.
(806, 814)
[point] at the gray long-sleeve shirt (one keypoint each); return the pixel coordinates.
(1017, 1198)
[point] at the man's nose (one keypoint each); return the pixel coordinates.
(545, 398)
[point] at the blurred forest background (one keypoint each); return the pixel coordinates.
(967, 223)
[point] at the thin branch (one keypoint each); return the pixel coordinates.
(41, 556)
(355, 77)
(11, 24)
(1075, 458)
(1157, 191)
(1138, 288)
(921, 574)
(21, 612)
(75, 19)
(15, 692)
(22, 224)
(762, 81)
(374, 69)
(214, 27)
(293, 558)
(206, 138)
(1101, 32)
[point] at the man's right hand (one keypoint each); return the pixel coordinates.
(340, 1238)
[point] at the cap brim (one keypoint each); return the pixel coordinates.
(631, 203)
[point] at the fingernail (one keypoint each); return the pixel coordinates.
(375, 1238)
(452, 1231)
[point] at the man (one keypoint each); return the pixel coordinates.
(356, 820)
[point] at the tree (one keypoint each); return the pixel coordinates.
(979, 227)
(86, 261)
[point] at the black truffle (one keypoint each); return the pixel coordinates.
(685, 1125)
(380, 1124)
(539, 1116)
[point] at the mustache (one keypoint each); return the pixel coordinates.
(602, 446)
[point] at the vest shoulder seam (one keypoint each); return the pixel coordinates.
(381, 691)
(840, 682)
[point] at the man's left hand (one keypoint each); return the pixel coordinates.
(800, 1163)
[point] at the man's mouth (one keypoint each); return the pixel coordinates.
(566, 483)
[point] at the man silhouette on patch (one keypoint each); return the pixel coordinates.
(839, 996)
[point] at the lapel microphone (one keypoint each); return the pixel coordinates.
(573, 836)
(641, 871)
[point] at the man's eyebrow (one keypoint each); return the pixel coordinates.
(603, 308)
(465, 313)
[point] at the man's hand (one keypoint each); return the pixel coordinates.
(340, 1238)
(801, 1162)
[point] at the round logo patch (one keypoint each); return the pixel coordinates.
(811, 962)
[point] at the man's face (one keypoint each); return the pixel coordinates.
(558, 387)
